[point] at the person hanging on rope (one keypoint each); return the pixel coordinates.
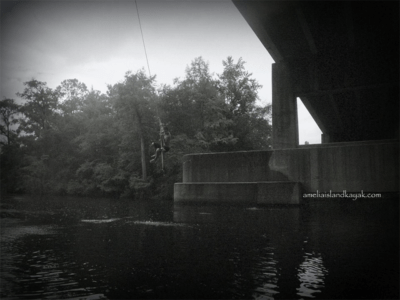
(164, 145)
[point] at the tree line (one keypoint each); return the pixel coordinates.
(74, 141)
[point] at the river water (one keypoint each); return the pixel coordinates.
(78, 248)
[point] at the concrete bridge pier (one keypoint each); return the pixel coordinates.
(282, 176)
(285, 133)
(243, 177)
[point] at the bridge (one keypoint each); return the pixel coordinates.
(341, 58)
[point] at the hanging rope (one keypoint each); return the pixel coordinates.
(144, 45)
(145, 51)
(158, 116)
(162, 144)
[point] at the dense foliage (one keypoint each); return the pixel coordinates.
(73, 141)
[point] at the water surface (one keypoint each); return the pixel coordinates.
(75, 248)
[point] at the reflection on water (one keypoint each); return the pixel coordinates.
(267, 279)
(66, 248)
(311, 274)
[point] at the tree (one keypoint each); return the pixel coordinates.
(134, 99)
(201, 90)
(237, 87)
(9, 111)
(10, 165)
(98, 137)
(40, 107)
(196, 101)
(82, 142)
(92, 150)
(10, 154)
(71, 95)
(250, 123)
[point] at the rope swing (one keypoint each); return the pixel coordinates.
(144, 45)
(162, 145)
(148, 67)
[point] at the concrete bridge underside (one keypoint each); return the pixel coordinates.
(341, 58)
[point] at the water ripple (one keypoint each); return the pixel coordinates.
(100, 221)
(37, 274)
(311, 274)
(152, 223)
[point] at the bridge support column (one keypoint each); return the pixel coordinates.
(285, 132)
(325, 138)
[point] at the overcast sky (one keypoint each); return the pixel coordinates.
(96, 42)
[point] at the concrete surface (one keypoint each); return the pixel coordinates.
(281, 176)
